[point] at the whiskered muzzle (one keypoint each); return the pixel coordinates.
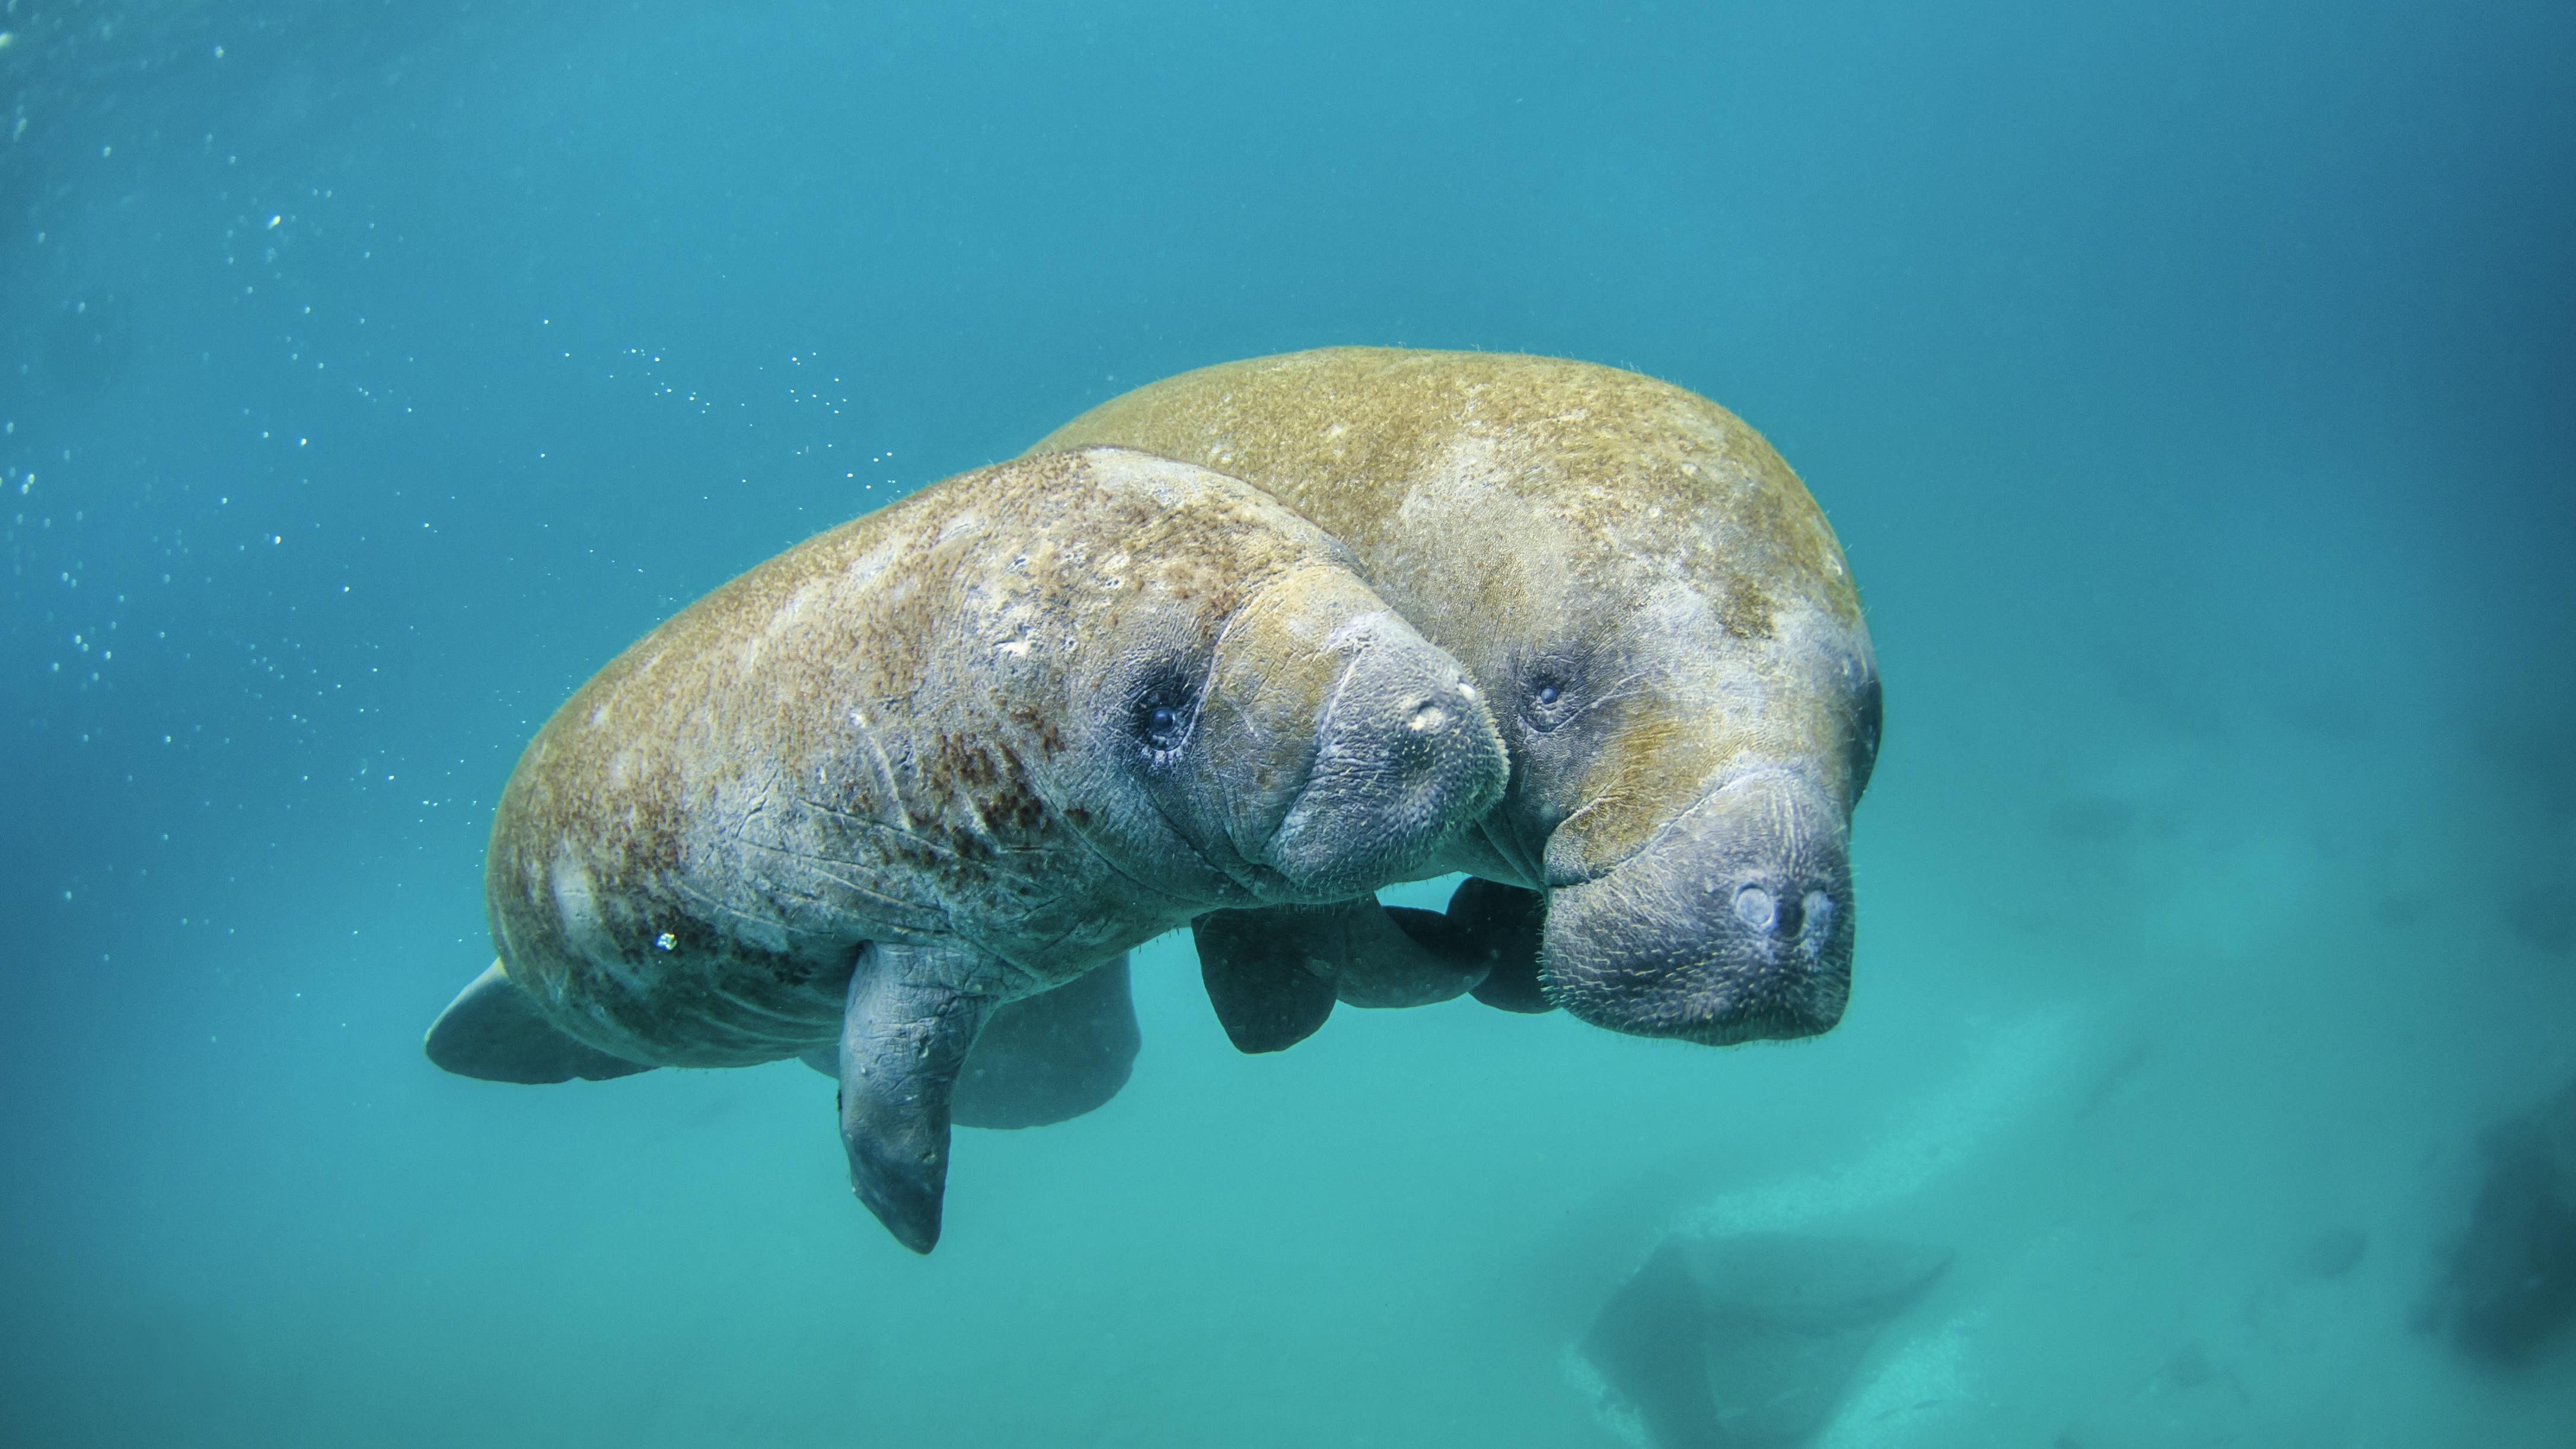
(1734, 925)
(1406, 757)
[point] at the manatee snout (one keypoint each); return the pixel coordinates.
(1406, 754)
(1734, 924)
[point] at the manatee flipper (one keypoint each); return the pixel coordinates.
(1494, 925)
(1379, 964)
(1041, 1059)
(1485, 943)
(494, 1031)
(1046, 1058)
(904, 1037)
(1273, 973)
(1269, 994)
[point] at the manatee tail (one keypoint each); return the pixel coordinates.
(494, 1031)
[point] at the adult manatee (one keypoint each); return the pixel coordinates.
(1667, 631)
(952, 755)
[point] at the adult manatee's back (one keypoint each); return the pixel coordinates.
(1661, 619)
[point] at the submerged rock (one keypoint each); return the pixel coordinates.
(1747, 1342)
(2510, 1284)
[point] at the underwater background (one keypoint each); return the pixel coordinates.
(2193, 386)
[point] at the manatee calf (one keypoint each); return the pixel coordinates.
(1665, 628)
(946, 757)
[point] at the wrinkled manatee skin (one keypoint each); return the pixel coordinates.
(952, 757)
(1660, 618)
(924, 727)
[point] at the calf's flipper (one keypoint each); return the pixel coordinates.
(1273, 973)
(913, 1014)
(1500, 927)
(1047, 1058)
(1269, 991)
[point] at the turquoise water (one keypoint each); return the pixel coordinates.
(2190, 384)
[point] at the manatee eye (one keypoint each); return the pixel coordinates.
(1162, 720)
(1547, 700)
(1865, 736)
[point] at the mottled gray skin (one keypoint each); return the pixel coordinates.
(1661, 619)
(958, 752)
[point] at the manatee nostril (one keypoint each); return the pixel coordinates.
(1820, 913)
(1754, 907)
(1427, 718)
(1790, 914)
